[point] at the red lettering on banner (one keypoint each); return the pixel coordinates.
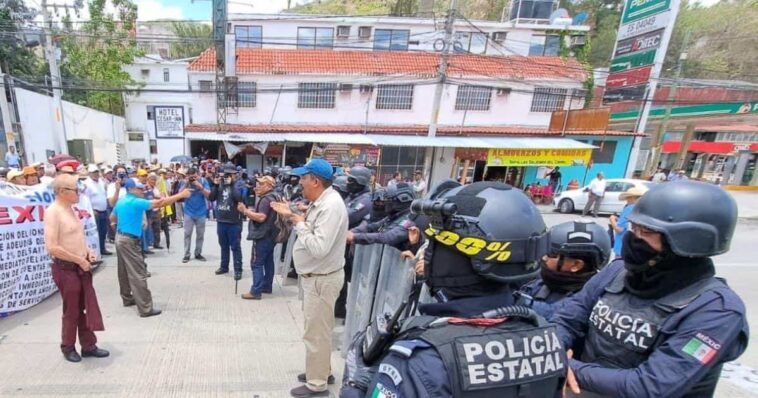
(24, 213)
(5, 218)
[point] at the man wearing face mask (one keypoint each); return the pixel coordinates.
(229, 226)
(577, 250)
(393, 229)
(657, 323)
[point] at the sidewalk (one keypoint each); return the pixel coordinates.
(747, 203)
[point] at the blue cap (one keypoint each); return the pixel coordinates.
(131, 184)
(318, 167)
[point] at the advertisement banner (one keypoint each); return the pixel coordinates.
(169, 121)
(347, 154)
(538, 157)
(632, 61)
(647, 41)
(638, 9)
(644, 25)
(630, 77)
(720, 108)
(25, 276)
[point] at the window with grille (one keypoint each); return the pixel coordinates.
(246, 94)
(391, 39)
(473, 98)
(394, 96)
(316, 95)
(315, 38)
(248, 36)
(470, 42)
(548, 99)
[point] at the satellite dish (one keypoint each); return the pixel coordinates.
(580, 18)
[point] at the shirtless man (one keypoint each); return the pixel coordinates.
(65, 242)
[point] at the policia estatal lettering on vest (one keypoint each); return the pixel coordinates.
(485, 239)
(657, 323)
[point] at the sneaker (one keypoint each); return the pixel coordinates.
(200, 257)
(185, 259)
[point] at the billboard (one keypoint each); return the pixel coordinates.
(637, 9)
(630, 77)
(646, 41)
(644, 25)
(632, 61)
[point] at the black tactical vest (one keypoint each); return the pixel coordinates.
(511, 359)
(266, 229)
(622, 335)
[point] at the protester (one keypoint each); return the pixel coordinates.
(50, 173)
(596, 192)
(554, 178)
(16, 177)
(94, 189)
(129, 219)
(620, 223)
(319, 255)
(677, 175)
(658, 323)
(396, 178)
(229, 227)
(3, 174)
(66, 244)
(12, 159)
(262, 230)
(419, 185)
(181, 178)
(195, 210)
(154, 216)
(30, 176)
(659, 176)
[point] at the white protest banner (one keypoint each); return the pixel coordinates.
(25, 276)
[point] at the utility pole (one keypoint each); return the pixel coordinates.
(51, 54)
(442, 69)
(657, 139)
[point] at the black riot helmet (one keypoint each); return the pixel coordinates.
(377, 205)
(697, 219)
(482, 236)
(398, 197)
(340, 185)
(361, 175)
(582, 239)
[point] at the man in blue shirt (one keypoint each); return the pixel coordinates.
(195, 213)
(620, 224)
(128, 218)
(12, 158)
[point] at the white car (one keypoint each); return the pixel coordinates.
(576, 199)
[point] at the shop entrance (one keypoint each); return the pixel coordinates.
(513, 176)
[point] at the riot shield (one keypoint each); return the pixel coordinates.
(361, 291)
(394, 283)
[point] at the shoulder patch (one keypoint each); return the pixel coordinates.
(392, 372)
(358, 206)
(382, 391)
(702, 347)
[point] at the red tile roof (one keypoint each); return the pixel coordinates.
(470, 131)
(420, 64)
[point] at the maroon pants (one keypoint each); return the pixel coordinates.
(72, 284)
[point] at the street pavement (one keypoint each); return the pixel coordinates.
(210, 343)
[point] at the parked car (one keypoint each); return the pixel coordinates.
(576, 199)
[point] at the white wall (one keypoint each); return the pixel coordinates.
(37, 121)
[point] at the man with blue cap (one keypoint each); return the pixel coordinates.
(319, 255)
(128, 218)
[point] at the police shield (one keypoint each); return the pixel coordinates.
(360, 297)
(394, 283)
(283, 258)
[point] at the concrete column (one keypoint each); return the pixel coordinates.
(739, 171)
(728, 167)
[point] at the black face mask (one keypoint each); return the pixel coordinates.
(353, 187)
(637, 253)
(564, 282)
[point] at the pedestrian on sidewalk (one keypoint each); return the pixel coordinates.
(66, 244)
(262, 231)
(229, 224)
(319, 255)
(596, 192)
(129, 219)
(195, 213)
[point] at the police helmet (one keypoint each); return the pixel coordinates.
(340, 185)
(482, 234)
(360, 175)
(582, 239)
(697, 219)
(400, 192)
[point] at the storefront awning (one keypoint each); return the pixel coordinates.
(399, 140)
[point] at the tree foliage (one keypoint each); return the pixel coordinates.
(95, 55)
(191, 35)
(15, 57)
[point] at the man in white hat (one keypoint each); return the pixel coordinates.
(95, 190)
(620, 224)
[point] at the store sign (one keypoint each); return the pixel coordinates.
(169, 121)
(631, 77)
(347, 154)
(644, 25)
(538, 157)
(723, 108)
(638, 9)
(632, 61)
(647, 41)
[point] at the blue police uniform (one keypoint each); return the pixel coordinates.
(667, 347)
(358, 207)
(415, 368)
(391, 230)
(546, 301)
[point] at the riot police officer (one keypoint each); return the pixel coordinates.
(484, 239)
(657, 323)
(340, 185)
(577, 250)
(393, 229)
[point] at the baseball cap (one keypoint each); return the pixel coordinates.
(131, 183)
(266, 180)
(141, 173)
(30, 171)
(318, 167)
(92, 168)
(230, 170)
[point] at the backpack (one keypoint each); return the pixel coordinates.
(282, 226)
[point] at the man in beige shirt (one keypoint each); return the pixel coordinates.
(319, 255)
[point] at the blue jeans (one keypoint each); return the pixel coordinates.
(229, 238)
(101, 218)
(263, 266)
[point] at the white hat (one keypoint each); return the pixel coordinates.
(92, 168)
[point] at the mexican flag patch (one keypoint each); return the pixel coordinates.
(380, 391)
(702, 348)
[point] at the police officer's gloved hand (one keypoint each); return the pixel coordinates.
(358, 374)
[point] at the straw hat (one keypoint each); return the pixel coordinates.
(634, 192)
